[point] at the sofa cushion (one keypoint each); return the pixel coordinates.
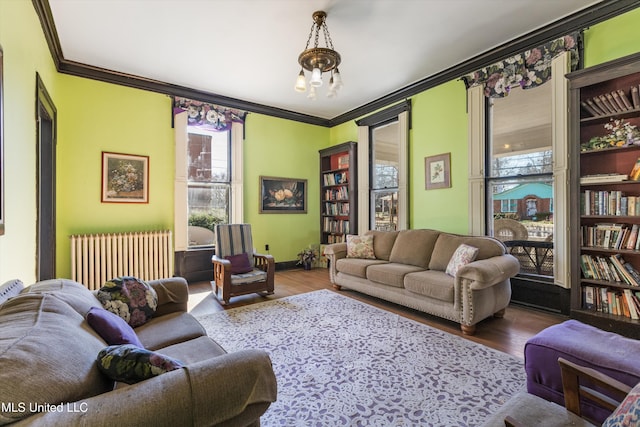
(360, 247)
(431, 283)
(130, 364)
(461, 257)
(390, 274)
(130, 298)
(356, 266)
(447, 244)
(111, 327)
(168, 330)
(47, 354)
(414, 247)
(383, 243)
(194, 351)
(78, 296)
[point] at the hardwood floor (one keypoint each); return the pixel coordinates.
(508, 334)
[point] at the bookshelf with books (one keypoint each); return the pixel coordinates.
(338, 192)
(605, 195)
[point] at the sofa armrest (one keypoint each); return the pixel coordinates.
(173, 295)
(206, 393)
(488, 272)
(334, 252)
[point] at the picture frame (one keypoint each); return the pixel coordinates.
(437, 171)
(283, 195)
(125, 178)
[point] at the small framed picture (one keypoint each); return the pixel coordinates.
(125, 178)
(437, 171)
(283, 195)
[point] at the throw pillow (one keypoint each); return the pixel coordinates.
(461, 257)
(111, 327)
(130, 298)
(130, 364)
(628, 412)
(239, 263)
(360, 247)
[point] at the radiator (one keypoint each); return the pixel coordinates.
(97, 258)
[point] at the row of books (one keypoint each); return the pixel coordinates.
(335, 226)
(616, 101)
(340, 208)
(339, 193)
(613, 203)
(612, 269)
(336, 238)
(611, 236)
(335, 178)
(619, 302)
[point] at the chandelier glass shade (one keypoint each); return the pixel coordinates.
(319, 60)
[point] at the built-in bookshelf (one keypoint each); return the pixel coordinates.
(605, 188)
(338, 192)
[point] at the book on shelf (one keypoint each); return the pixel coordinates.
(603, 177)
(633, 313)
(589, 299)
(635, 97)
(625, 100)
(634, 175)
(343, 162)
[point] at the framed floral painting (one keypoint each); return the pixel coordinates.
(283, 195)
(437, 171)
(125, 178)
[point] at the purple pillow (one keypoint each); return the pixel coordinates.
(111, 327)
(239, 263)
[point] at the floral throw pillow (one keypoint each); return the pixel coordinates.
(627, 414)
(130, 364)
(130, 298)
(461, 257)
(360, 247)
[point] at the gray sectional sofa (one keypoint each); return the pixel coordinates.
(409, 269)
(49, 374)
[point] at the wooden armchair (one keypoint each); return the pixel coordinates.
(237, 270)
(579, 382)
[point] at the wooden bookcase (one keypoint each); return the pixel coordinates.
(338, 192)
(601, 206)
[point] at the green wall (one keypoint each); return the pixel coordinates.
(287, 149)
(25, 54)
(95, 117)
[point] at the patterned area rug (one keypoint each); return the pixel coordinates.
(341, 362)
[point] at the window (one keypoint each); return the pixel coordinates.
(520, 170)
(383, 141)
(208, 183)
(384, 177)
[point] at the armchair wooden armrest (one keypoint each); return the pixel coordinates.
(574, 383)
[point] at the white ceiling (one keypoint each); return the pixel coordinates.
(248, 49)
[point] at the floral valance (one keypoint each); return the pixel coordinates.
(528, 69)
(207, 116)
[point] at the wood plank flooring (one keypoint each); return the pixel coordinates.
(508, 334)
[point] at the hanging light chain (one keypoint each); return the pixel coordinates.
(327, 36)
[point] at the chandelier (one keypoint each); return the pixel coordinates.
(319, 60)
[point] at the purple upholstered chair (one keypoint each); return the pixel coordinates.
(585, 345)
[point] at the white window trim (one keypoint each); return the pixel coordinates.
(180, 217)
(476, 139)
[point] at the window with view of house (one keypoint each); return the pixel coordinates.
(520, 171)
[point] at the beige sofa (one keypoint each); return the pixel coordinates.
(409, 269)
(48, 357)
